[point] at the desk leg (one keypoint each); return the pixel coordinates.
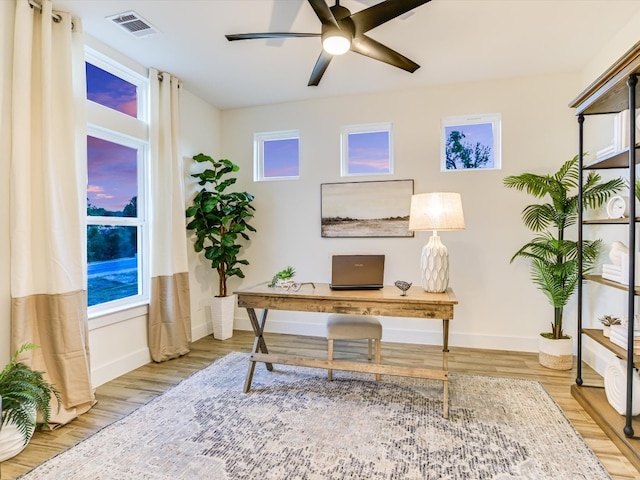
(259, 345)
(445, 365)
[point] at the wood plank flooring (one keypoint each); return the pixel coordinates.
(124, 394)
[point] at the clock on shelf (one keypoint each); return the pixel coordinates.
(617, 207)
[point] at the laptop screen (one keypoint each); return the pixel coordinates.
(357, 272)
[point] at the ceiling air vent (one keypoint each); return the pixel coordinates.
(133, 24)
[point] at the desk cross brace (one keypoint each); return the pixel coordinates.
(259, 345)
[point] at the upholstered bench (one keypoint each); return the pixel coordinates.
(353, 327)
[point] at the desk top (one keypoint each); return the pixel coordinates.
(387, 301)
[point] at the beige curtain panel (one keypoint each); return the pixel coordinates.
(48, 280)
(169, 311)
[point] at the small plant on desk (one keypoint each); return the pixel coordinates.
(283, 276)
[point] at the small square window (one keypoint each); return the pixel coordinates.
(471, 142)
(367, 149)
(276, 155)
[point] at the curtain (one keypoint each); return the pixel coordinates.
(47, 189)
(169, 310)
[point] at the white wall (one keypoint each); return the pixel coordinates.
(499, 306)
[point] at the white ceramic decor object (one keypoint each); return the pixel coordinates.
(615, 387)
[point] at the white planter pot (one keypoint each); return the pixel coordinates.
(11, 439)
(222, 312)
(556, 354)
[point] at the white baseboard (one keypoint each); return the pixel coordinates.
(390, 334)
(120, 366)
(201, 330)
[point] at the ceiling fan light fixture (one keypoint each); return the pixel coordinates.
(336, 42)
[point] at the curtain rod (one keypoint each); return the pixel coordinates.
(56, 18)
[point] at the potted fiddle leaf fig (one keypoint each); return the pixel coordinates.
(220, 220)
(25, 394)
(553, 256)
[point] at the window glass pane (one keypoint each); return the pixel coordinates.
(112, 264)
(368, 153)
(281, 158)
(111, 91)
(112, 170)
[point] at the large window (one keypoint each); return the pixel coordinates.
(117, 151)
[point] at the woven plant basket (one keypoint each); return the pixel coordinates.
(556, 354)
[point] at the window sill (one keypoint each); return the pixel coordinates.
(106, 318)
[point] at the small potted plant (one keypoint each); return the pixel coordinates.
(220, 219)
(284, 276)
(25, 394)
(553, 256)
(607, 321)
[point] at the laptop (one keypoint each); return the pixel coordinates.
(357, 272)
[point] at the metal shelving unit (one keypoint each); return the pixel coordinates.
(614, 91)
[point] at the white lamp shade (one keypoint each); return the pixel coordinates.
(436, 211)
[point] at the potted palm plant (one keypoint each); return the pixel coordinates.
(554, 257)
(219, 219)
(24, 394)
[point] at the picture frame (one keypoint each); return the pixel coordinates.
(366, 209)
(471, 142)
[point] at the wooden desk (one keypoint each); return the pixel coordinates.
(385, 302)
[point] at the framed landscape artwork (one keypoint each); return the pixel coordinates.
(471, 143)
(366, 209)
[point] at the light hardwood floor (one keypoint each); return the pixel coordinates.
(124, 394)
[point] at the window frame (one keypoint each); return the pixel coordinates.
(259, 140)
(493, 119)
(114, 126)
(348, 130)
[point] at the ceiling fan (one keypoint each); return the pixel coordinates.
(343, 31)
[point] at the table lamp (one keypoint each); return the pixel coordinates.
(435, 211)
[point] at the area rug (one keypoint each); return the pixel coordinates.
(296, 425)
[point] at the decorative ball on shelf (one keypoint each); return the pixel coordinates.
(403, 286)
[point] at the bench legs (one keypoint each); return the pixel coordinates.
(378, 356)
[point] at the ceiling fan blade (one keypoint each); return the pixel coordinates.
(370, 48)
(251, 36)
(282, 16)
(318, 70)
(371, 17)
(323, 12)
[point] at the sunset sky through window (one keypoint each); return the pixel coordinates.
(112, 168)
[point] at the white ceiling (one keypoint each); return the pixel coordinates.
(454, 41)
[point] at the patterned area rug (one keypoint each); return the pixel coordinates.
(296, 425)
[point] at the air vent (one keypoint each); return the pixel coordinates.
(133, 24)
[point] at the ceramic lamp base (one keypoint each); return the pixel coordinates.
(434, 265)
